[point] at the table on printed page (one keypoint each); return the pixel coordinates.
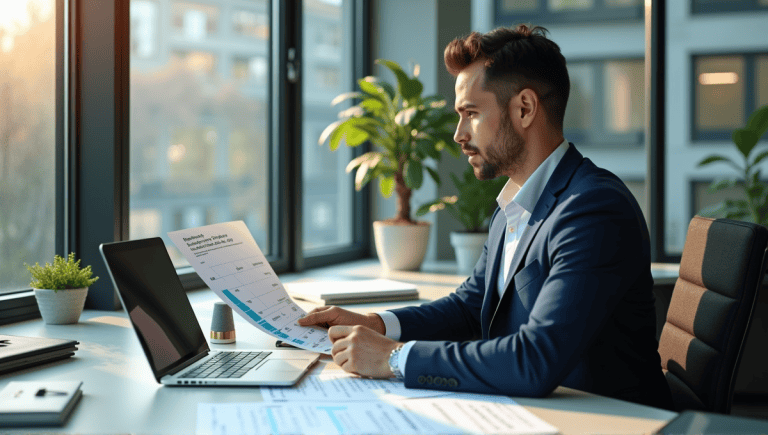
(120, 395)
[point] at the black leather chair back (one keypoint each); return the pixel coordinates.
(721, 271)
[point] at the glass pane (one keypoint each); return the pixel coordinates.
(327, 71)
(199, 117)
(570, 5)
(27, 138)
(622, 3)
(719, 92)
(578, 112)
(519, 5)
(624, 91)
(761, 76)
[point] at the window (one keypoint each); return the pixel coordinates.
(27, 140)
(199, 142)
(606, 105)
(328, 203)
(194, 21)
(727, 89)
(251, 24)
(720, 6)
(566, 11)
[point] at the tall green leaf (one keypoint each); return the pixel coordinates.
(413, 173)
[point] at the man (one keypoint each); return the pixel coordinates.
(562, 292)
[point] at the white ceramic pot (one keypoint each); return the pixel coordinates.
(62, 306)
(401, 247)
(468, 248)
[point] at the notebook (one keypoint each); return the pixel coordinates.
(352, 292)
(18, 353)
(169, 333)
(38, 403)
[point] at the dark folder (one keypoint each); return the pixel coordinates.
(18, 353)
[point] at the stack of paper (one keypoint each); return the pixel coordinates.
(340, 403)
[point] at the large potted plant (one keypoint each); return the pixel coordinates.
(753, 207)
(472, 206)
(408, 132)
(60, 289)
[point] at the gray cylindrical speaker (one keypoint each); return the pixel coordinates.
(222, 324)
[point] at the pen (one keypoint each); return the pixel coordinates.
(281, 343)
(43, 392)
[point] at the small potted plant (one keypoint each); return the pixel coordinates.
(60, 289)
(754, 206)
(472, 206)
(409, 132)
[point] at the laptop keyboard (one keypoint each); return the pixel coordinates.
(227, 365)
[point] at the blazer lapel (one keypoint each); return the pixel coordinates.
(544, 206)
(493, 261)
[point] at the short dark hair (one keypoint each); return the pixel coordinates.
(515, 59)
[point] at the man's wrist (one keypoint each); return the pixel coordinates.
(394, 362)
(376, 323)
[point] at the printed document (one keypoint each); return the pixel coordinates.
(228, 259)
(336, 385)
(412, 416)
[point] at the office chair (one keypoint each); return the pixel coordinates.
(721, 270)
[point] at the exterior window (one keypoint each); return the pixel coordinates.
(199, 138)
(727, 89)
(27, 140)
(509, 12)
(251, 24)
(194, 21)
(721, 6)
(607, 103)
(144, 27)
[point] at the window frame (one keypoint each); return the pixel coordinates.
(699, 136)
(92, 108)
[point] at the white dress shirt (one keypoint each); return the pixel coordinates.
(517, 203)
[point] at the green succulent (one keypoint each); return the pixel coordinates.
(754, 206)
(407, 129)
(61, 275)
(474, 204)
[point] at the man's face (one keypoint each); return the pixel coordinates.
(485, 131)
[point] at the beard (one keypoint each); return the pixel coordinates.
(505, 154)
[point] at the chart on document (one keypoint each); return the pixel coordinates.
(230, 262)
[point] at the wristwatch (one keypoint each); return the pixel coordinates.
(394, 363)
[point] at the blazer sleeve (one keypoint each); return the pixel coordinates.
(454, 317)
(593, 246)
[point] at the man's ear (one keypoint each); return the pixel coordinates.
(524, 107)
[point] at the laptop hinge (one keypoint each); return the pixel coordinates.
(187, 363)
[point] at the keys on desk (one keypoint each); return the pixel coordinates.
(227, 365)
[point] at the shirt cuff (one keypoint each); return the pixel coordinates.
(391, 325)
(402, 357)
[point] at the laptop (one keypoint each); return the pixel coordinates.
(170, 335)
(18, 353)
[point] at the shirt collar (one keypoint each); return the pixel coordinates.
(527, 195)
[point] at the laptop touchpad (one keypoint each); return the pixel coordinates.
(285, 365)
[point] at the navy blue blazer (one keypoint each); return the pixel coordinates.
(578, 309)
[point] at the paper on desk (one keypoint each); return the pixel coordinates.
(341, 386)
(228, 259)
(417, 416)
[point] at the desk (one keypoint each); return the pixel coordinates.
(120, 394)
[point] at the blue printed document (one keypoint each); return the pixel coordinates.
(230, 262)
(442, 415)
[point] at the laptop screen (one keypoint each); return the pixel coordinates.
(155, 301)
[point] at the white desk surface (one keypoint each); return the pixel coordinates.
(120, 394)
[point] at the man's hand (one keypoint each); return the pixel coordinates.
(362, 351)
(335, 316)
